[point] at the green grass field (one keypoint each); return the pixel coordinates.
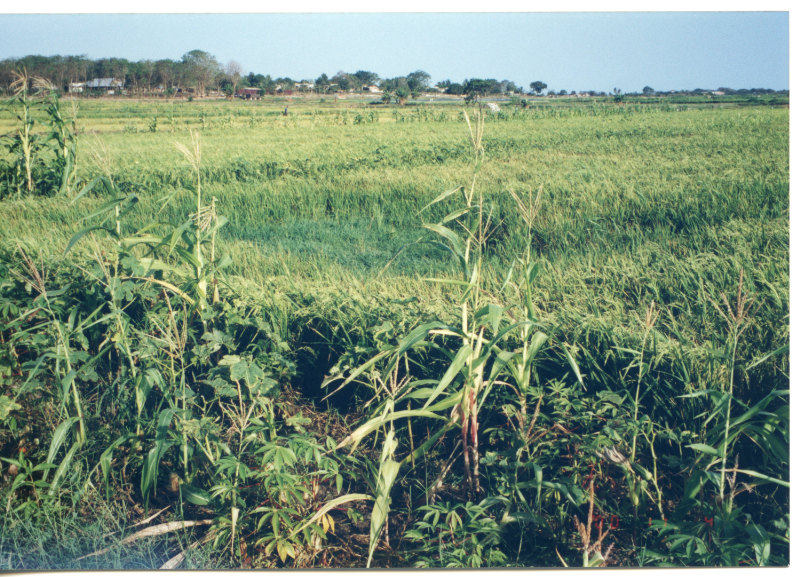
(640, 206)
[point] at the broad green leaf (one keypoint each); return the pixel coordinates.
(88, 188)
(386, 477)
(761, 545)
(455, 367)
(703, 448)
(439, 198)
(495, 314)
(188, 257)
(65, 462)
(142, 391)
(762, 476)
(758, 407)
(6, 406)
(574, 365)
(105, 459)
(106, 207)
(455, 214)
(776, 352)
(537, 341)
(331, 505)
(66, 382)
(59, 436)
(195, 495)
(450, 401)
(356, 436)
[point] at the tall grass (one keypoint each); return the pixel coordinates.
(588, 351)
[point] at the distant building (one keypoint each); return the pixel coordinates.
(75, 87)
(249, 93)
(371, 89)
(718, 93)
(109, 84)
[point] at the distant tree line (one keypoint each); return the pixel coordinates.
(722, 91)
(199, 72)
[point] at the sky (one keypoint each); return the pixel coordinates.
(571, 51)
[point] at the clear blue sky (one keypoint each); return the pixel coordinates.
(572, 51)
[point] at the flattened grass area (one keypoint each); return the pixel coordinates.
(638, 204)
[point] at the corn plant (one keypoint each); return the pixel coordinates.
(65, 134)
(480, 335)
(32, 169)
(201, 229)
(25, 145)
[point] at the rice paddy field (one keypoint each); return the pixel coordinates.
(578, 357)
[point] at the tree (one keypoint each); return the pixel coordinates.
(454, 88)
(254, 80)
(200, 69)
(477, 87)
(366, 78)
(233, 70)
(268, 84)
(344, 80)
(402, 94)
(647, 91)
(148, 68)
(322, 83)
(538, 86)
(167, 73)
(417, 80)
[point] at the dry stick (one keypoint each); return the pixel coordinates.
(464, 444)
(474, 419)
(157, 530)
(178, 559)
(142, 522)
(533, 420)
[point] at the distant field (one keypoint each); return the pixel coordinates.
(633, 198)
(300, 185)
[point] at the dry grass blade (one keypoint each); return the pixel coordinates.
(42, 84)
(142, 522)
(191, 153)
(102, 158)
(20, 83)
(36, 280)
(528, 211)
(149, 532)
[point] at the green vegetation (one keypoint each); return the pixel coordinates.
(361, 335)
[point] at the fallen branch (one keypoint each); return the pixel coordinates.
(150, 531)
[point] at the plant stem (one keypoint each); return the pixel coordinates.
(728, 422)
